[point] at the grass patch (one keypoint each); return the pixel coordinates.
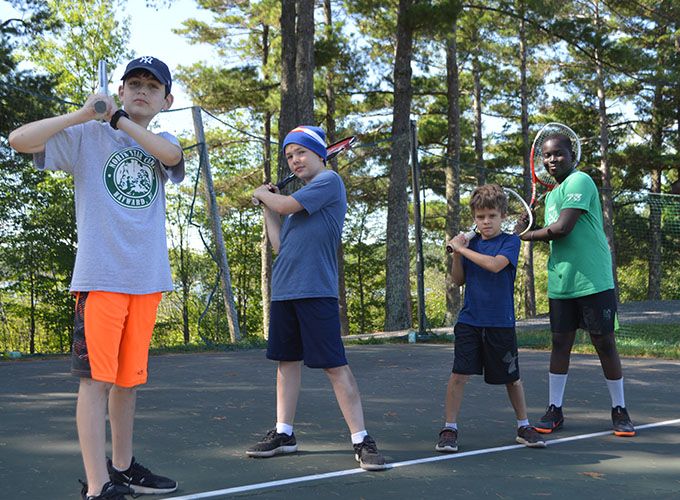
(644, 340)
(641, 340)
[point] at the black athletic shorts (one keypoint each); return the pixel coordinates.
(491, 351)
(594, 313)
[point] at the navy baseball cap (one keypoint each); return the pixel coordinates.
(154, 66)
(313, 138)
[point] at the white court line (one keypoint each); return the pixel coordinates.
(449, 456)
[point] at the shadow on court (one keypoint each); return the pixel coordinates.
(199, 412)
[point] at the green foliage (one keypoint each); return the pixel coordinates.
(84, 33)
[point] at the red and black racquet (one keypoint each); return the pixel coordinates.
(331, 152)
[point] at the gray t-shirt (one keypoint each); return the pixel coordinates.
(120, 208)
(307, 264)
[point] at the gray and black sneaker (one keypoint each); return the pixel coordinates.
(273, 444)
(622, 424)
(140, 479)
(448, 440)
(528, 436)
(368, 456)
(551, 421)
(109, 491)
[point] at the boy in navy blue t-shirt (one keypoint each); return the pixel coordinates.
(305, 320)
(485, 338)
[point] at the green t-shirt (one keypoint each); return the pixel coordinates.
(580, 264)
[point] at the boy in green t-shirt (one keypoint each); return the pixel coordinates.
(580, 282)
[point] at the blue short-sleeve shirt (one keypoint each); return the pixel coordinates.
(489, 297)
(307, 264)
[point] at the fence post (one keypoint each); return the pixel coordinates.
(418, 228)
(220, 250)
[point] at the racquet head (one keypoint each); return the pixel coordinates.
(338, 147)
(539, 175)
(518, 211)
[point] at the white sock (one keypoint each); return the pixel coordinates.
(522, 423)
(282, 428)
(451, 425)
(616, 392)
(358, 437)
(557, 385)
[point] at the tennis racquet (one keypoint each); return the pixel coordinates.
(331, 152)
(517, 208)
(540, 178)
(102, 87)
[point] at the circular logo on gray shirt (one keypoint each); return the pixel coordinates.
(130, 178)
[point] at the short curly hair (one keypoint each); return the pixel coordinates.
(489, 196)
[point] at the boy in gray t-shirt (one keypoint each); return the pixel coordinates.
(119, 170)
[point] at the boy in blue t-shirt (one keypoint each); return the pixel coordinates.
(486, 342)
(305, 319)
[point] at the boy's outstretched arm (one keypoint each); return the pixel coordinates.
(31, 137)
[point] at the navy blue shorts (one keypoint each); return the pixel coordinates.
(594, 313)
(491, 351)
(306, 330)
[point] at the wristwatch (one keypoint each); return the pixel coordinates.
(116, 116)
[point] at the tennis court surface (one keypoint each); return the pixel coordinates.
(199, 412)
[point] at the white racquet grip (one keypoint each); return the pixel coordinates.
(102, 87)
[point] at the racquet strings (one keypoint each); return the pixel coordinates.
(517, 207)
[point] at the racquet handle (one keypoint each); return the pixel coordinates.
(279, 185)
(468, 236)
(102, 87)
(100, 107)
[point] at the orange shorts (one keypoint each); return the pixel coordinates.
(111, 336)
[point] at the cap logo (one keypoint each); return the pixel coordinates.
(310, 133)
(146, 60)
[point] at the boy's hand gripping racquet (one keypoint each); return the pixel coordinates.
(102, 87)
(331, 152)
(539, 175)
(518, 212)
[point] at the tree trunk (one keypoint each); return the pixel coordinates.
(654, 261)
(477, 110)
(606, 196)
(331, 137)
(453, 299)
(265, 244)
(288, 118)
(528, 289)
(304, 62)
(397, 293)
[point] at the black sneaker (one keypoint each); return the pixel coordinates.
(622, 424)
(551, 421)
(528, 436)
(140, 479)
(109, 491)
(448, 440)
(368, 456)
(273, 444)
